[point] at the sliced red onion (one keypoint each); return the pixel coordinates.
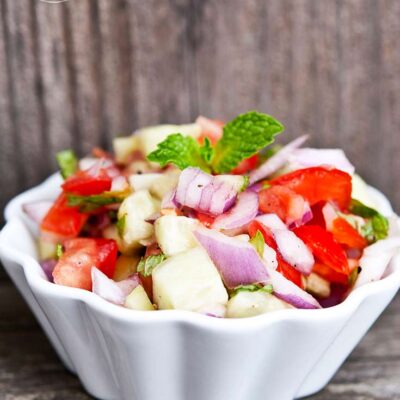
(169, 200)
(271, 221)
(329, 213)
(205, 193)
(269, 257)
(309, 157)
(48, 267)
(293, 250)
(237, 261)
(243, 212)
(37, 211)
(114, 292)
(291, 293)
(376, 259)
(299, 212)
(277, 161)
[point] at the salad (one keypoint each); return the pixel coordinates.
(214, 218)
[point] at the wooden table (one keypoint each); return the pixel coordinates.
(29, 368)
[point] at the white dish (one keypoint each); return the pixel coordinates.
(120, 354)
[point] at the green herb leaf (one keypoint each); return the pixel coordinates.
(59, 250)
(376, 227)
(252, 288)
(258, 242)
(121, 225)
(93, 202)
(246, 183)
(147, 264)
(243, 137)
(67, 162)
(182, 151)
(206, 151)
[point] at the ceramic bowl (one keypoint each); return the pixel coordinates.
(120, 354)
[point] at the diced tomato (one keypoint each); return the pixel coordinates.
(284, 202)
(210, 128)
(246, 165)
(85, 184)
(319, 184)
(62, 220)
(345, 234)
(80, 255)
(284, 268)
(329, 274)
(205, 219)
(324, 247)
(318, 216)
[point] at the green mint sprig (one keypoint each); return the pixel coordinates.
(242, 137)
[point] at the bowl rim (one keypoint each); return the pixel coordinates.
(37, 282)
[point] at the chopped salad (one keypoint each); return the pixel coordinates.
(214, 218)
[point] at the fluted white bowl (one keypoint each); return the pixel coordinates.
(120, 354)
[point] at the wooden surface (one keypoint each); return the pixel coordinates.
(78, 73)
(30, 370)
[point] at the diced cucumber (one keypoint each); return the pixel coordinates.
(317, 285)
(46, 249)
(250, 304)
(125, 266)
(152, 135)
(189, 281)
(124, 147)
(138, 300)
(174, 234)
(136, 208)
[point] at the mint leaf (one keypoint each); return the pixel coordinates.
(91, 203)
(243, 137)
(182, 151)
(206, 151)
(67, 162)
(258, 242)
(147, 264)
(376, 227)
(252, 288)
(121, 225)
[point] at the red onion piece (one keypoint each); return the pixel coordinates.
(114, 292)
(376, 259)
(293, 250)
(48, 267)
(277, 161)
(299, 212)
(243, 212)
(37, 211)
(237, 261)
(329, 213)
(308, 157)
(291, 293)
(119, 184)
(271, 221)
(169, 200)
(206, 193)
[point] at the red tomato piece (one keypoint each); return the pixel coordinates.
(284, 202)
(84, 184)
(284, 268)
(324, 247)
(345, 234)
(329, 274)
(62, 220)
(246, 165)
(80, 255)
(319, 184)
(205, 219)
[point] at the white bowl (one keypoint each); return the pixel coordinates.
(120, 354)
